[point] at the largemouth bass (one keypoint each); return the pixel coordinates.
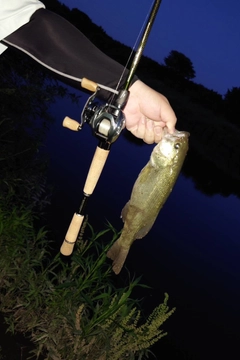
(150, 191)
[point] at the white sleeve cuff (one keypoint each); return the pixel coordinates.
(14, 14)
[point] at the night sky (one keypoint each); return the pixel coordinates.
(208, 32)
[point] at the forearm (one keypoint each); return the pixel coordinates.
(63, 49)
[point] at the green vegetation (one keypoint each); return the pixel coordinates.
(70, 310)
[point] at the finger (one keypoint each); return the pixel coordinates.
(149, 135)
(158, 133)
(160, 123)
(168, 116)
(170, 122)
(140, 132)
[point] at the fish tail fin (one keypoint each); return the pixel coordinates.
(118, 254)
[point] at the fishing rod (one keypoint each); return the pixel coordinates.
(107, 122)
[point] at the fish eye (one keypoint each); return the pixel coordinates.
(177, 145)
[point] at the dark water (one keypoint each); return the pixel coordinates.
(192, 252)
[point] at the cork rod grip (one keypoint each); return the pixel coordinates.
(95, 170)
(71, 236)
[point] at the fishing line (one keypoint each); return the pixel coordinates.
(133, 48)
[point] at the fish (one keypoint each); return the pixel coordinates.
(150, 191)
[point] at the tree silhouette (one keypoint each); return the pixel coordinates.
(26, 92)
(180, 64)
(231, 105)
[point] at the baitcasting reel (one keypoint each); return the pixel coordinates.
(107, 120)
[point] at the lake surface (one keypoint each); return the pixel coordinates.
(192, 252)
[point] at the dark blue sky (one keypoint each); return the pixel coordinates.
(208, 32)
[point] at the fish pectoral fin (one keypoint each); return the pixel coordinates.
(143, 231)
(124, 212)
(118, 254)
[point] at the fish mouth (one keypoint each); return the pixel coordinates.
(177, 134)
(166, 146)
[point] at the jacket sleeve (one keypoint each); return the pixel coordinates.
(62, 48)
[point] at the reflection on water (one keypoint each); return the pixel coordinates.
(192, 252)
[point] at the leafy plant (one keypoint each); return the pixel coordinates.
(71, 310)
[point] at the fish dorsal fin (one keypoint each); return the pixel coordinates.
(124, 212)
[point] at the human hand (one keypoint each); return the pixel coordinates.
(147, 113)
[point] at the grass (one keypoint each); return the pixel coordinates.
(70, 310)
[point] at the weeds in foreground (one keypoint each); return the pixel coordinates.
(70, 310)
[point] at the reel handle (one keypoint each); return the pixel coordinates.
(89, 85)
(71, 124)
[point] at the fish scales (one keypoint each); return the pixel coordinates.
(150, 191)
